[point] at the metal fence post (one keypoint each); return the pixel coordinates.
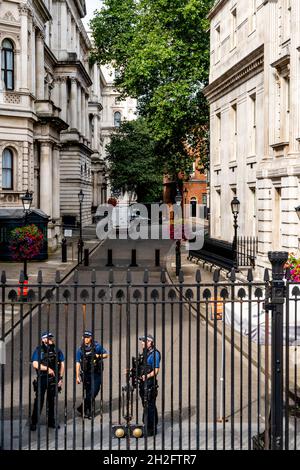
(64, 257)
(277, 299)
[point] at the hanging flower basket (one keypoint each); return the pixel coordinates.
(26, 242)
(293, 264)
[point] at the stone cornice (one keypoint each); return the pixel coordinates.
(43, 11)
(236, 75)
(73, 66)
(216, 8)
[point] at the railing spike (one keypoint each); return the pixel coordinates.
(3, 277)
(181, 277)
(232, 275)
(129, 277)
(57, 277)
(93, 276)
(250, 275)
(216, 276)
(198, 276)
(76, 276)
(266, 275)
(111, 277)
(40, 277)
(146, 276)
(163, 278)
(22, 277)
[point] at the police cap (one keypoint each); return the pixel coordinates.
(87, 334)
(148, 337)
(47, 334)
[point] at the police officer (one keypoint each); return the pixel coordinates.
(148, 386)
(48, 361)
(89, 369)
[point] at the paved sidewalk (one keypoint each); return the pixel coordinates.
(54, 262)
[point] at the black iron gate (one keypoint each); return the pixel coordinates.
(228, 371)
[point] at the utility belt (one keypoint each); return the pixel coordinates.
(86, 368)
(51, 382)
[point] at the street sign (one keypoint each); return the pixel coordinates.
(68, 233)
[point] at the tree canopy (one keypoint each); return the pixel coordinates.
(160, 49)
(133, 164)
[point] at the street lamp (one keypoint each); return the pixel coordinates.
(178, 200)
(235, 208)
(80, 241)
(26, 201)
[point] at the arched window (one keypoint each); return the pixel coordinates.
(7, 64)
(7, 169)
(194, 207)
(117, 119)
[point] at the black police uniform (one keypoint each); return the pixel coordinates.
(91, 382)
(48, 356)
(148, 392)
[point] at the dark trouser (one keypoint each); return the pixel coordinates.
(91, 390)
(148, 394)
(50, 389)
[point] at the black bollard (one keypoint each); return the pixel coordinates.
(157, 258)
(109, 259)
(86, 257)
(64, 257)
(133, 259)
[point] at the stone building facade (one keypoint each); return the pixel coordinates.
(54, 111)
(255, 121)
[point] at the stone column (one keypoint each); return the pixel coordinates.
(86, 116)
(23, 10)
(63, 99)
(63, 25)
(73, 103)
(46, 194)
(79, 110)
(83, 117)
(40, 67)
(56, 183)
(56, 92)
(95, 143)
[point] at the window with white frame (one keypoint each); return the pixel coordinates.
(233, 28)
(7, 64)
(117, 119)
(7, 169)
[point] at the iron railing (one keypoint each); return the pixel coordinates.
(247, 248)
(228, 361)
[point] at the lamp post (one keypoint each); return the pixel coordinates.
(26, 201)
(178, 200)
(80, 241)
(235, 208)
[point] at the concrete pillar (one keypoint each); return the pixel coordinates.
(56, 183)
(73, 103)
(46, 194)
(40, 67)
(23, 10)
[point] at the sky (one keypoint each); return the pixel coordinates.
(91, 6)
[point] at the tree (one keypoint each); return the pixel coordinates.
(133, 163)
(161, 51)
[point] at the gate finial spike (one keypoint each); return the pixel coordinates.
(216, 276)
(129, 277)
(163, 278)
(40, 277)
(111, 277)
(93, 276)
(3, 277)
(57, 277)
(266, 275)
(250, 275)
(232, 275)
(198, 276)
(75, 277)
(146, 276)
(181, 277)
(22, 277)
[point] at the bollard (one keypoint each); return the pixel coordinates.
(133, 259)
(64, 247)
(86, 257)
(109, 259)
(157, 258)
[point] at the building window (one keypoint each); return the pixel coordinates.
(204, 199)
(253, 125)
(7, 64)
(7, 169)
(117, 119)
(233, 29)
(218, 44)
(194, 207)
(234, 132)
(218, 137)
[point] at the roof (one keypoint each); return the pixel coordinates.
(13, 213)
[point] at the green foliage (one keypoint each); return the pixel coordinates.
(161, 50)
(133, 163)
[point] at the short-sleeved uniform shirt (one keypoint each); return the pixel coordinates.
(39, 353)
(153, 359)
(98, 350)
